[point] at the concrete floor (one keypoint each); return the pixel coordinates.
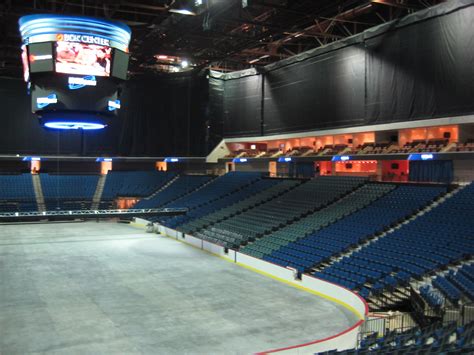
(111, 288)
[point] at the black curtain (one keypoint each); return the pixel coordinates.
(422, 71)
(431, 171)
(164, 115)
(418, 67)
(242, 106)
(215, 113)
(161, 115)
(320, 92)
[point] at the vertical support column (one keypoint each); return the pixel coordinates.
(229, 166)
(161, 166)
(35, 166)
(105, 167)
(272, 168)
(379, 170)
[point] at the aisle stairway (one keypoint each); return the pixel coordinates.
(98, 192)
(38, 192)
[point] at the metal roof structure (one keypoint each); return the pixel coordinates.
(223, 35)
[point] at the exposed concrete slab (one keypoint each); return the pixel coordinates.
(111, 288)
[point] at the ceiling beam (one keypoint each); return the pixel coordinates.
(394, 3)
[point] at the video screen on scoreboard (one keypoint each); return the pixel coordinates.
(83, 59)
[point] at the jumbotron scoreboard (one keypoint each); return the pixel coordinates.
(75, 67)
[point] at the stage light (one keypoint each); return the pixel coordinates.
(74, 125)
(183, 12)
(31, 158)
(184, 64)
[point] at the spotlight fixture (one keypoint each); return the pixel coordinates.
(187, 7)
(183, 12)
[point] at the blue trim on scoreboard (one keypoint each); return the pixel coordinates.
(32, 26)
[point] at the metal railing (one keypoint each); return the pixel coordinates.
(88, 214)
(401, 322)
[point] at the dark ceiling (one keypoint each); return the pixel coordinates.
(223, 35)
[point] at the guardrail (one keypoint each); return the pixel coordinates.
(87, 214)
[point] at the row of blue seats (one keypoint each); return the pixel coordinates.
(68, 187)
(455, 284)
(16, 187)
(222, 192)
(134, 183)
(432, 296)
(247, 191)
(377, 217)
(427, 243)
(181, 186)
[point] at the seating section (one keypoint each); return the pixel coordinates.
(317, 220)
(416, 146)
(219, 193)
(455, 285)
(354, 229)
(281, 211)
(263, 191)
(180, 187)
(17, 193)
(68, 192)
(432, 296)
(16, 187)
(134, 183)
(432, 241)
(468, 146)
(434, 339)
(71, 187)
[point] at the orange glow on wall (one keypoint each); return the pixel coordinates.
(359, 167)
(105, 167)
(425, 133)
(324, 140)
(272, 168)
(342, 139)
(161, 166)
(234, 147)
(307, 142)
(439, 132)
(35, 166)
(124, 203)
(362, 138)
(325, 168)
(395, 170)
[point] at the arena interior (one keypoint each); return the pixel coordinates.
(237, 177)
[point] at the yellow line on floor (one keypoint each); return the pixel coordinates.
(293, 284)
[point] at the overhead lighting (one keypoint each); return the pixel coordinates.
(183, 12)
(260, 58)
(74, 125)
(162, 57)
